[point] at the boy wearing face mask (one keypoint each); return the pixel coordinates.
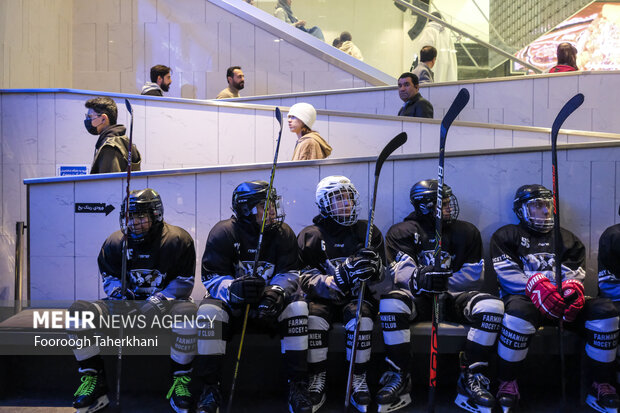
(113, 145)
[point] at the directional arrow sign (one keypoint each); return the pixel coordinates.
(93, 208)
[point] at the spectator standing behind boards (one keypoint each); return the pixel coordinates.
(436, 35)
(112, 146)
(409, 91)
(428, 57)
(348, 47)
(236, 82)
(337, 43)
(160, 81)
(567, 59)
(285, 13)
(310, 145)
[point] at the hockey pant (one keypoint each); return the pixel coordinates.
(597, 323)
(181, 313)
(398, 309)
(213, 337)
(321, 318)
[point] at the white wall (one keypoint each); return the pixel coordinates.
(64, 248)
(35, 43)
(533, 100)
(116, 42)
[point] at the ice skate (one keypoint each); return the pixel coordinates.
(92, 395)
(603, 398)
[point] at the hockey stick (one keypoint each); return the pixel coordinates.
(398, 141)
(565, 112)
(256, 257)
(457, 106)
(119, 360)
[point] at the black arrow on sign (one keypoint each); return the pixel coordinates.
(93, 208)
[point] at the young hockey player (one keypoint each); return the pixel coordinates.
(332, 250)
(524, 260)
(161, 271)
(410, 245)
(609, 271)
(227, 273)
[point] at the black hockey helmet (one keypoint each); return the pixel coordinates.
(423, 197)
(534, 195)
(142, 203)
(248, 195)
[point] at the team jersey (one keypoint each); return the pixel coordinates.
(609, 263)
(325, 245)
(163, 262)
(461, 251)
(230, 251)
(518, 254)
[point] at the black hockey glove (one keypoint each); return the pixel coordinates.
(427, 280)
(116, 294)
(245, 290)
(365, 265)
(154, 306)
(272, 302)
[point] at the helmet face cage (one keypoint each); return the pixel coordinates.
(275, 216)
(532, 213)
(145, 210)
(424, 200)
(533, 205)
(341, 204)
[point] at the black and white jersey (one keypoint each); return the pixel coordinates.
(518, 254)
(609, 263)
(325, 245)
(230, 251)
(461, 252)
(164, 262)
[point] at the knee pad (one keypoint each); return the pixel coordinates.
(514, 338)
(364, 339)
(318, 329)
(485, 312)
(602, 339)
(78, 308)
(294, 327)
(395, 312)
(212, 322)
(184, 331)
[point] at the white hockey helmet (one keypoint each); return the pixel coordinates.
(338, 199)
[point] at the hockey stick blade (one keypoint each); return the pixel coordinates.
(461, 99)
(128, 105)
(566, 111)
(279, 117)
(398, 141)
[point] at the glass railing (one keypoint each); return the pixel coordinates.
(388, 34)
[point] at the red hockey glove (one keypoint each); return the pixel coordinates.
(572, 290)
(545, 296)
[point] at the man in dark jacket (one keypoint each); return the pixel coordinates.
(409, 91)
(113, 145)
(161, 78)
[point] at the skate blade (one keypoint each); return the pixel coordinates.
(463, 402)
(362, 408)
(405, 400)
(316, 407)
(593, 403)
(507, 409)
(177, 408)
(101, 402)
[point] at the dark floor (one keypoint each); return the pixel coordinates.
(46, 384)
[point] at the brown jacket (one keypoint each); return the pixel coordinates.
(311, 146)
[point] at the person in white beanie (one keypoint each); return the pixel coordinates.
(310, 145)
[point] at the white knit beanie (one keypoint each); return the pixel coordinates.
(304, 112)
